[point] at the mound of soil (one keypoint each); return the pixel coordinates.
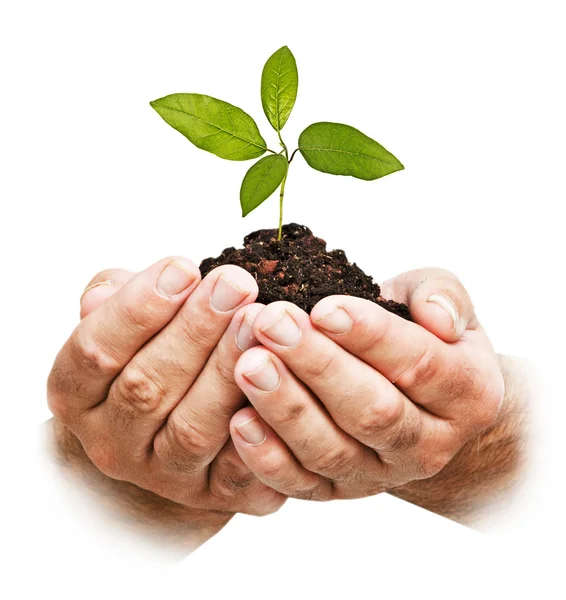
(300, 269)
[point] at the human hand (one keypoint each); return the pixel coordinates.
(145, 382)
(355, 400)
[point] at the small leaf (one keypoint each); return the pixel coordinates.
(343, 150)
(212, 125)
(279, 84)
(264, 177)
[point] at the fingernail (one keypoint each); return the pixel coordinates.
(173, 280)
(449, 306)
(338, 321)
(245, 338)
(265, 376)
(226, 296)
(283, 330)
(252, 431)
(95, 285)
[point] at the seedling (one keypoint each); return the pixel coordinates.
(229, 132)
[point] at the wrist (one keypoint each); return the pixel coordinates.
(164, 522)
(488, 468)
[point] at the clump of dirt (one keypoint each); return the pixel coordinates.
(300, 269)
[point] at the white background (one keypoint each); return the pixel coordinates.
(468, 95)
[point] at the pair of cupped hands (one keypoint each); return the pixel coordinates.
(191, 390)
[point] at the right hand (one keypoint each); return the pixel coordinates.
(146, 382)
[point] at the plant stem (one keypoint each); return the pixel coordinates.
(281, 194)
(282, 189)
(292, 155)
(283, 145)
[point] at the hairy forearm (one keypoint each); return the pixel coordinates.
(488, 469)
(174, 526)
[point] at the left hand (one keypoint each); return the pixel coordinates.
(145, 382)
(353, 400)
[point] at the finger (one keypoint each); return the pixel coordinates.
(105, 340)
(101, 287)
(234, 485)
(360, 400)
(437, 300)
(267, 456)
(303, 424)
(163, 371)
(412, 446)
(197, 427)
(439, 376)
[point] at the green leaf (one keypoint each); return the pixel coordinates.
(212, 125)
(279, 84)
(264, 177)
(343, 150)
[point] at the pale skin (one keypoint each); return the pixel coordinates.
(345, 403)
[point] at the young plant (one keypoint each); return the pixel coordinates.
(227, 131)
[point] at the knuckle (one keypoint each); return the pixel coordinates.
(262, 500)
(226, 486)
(319, 368)
(403, 439)
(232, 463)
(288, 414)
(273, 466)
(433, 464)
(407, 432)
(223, 372)
(423, 371)
(305, 491)
(336, 462)
(373, 332)
(268, 507)
(59, 407)
(142, 315)
(378, 417)
(466, 383)
(60, 387)
(105, 459)
(139, 389)
(188, 438)
(490, 402)
(200, 333)
(92, 356)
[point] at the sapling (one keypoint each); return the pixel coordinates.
(229, 132)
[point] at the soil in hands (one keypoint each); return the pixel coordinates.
(300, 269)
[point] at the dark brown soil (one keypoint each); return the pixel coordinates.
(300, 269)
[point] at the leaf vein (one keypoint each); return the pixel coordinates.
(250, 142)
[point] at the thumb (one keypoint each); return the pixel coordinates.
(437, 301)
(101, 287)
